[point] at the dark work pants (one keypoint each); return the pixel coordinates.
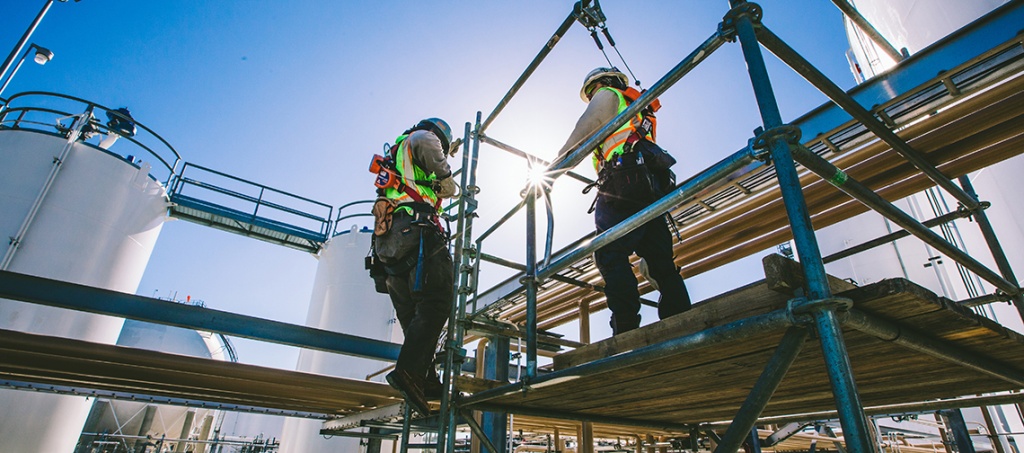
(422, 314)
(652, 242)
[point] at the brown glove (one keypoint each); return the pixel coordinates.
(448, 188)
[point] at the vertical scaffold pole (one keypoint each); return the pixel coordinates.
(530, 281)
(848, 404)
(993, 243)
(464, 285)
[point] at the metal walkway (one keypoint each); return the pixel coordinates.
(239, 206)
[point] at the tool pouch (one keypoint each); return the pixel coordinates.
(383, 213)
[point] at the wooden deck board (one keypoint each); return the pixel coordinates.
(710, 384)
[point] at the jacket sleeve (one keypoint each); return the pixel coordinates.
(427, 153)
(601, 109)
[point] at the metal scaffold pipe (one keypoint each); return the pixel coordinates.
(790, 346)
(993, 245)
(833, 346)
(888, 331)
(684, 192)
(564, 27)
(859, 192)
(789, 56)
(709, 338)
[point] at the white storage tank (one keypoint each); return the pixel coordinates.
(93, 222)
(344, 300)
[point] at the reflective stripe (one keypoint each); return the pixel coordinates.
(410, 174)
(613, 145)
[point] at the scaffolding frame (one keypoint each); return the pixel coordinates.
(776, 144)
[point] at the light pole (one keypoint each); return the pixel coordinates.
(42, 56)
(25, 38)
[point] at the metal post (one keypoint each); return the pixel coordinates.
(406, 416)
(479, 432)
(495, 424)
(24, 39)
(746, 418)
(993, 244)
(844, 390)
(467, 206)
(789, 181)
(954, 420)
(530, 281)
(848, 402)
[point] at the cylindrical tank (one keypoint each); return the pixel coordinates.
(95, 225)
(343, 300)
(122, 420)
(909, 25)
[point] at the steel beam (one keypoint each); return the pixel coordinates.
(55, 293)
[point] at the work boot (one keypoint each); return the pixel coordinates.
(433, 389)
(624, 323)
(410, 388)
(432, 386)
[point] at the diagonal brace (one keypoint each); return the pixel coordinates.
(770, 378)
(789, 56)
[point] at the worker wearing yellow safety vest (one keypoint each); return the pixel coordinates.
(632, 173)
(415, 266)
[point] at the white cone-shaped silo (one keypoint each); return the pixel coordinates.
(123, 420)
(344, 300)
(95, 225)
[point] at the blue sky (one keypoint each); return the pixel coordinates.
(298, 95)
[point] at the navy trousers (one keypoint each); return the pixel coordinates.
(652, 242)
(422, 311)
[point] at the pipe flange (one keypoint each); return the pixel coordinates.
(748, 10)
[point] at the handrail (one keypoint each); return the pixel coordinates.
(259, 201)
(341, 208)
(99, 127)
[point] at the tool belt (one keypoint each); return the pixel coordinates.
(635, 178)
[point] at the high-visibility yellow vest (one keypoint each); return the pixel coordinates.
(412, 176)
(614, 144)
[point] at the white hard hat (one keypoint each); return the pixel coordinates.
(598, 73)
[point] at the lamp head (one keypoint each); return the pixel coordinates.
(43, 55)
